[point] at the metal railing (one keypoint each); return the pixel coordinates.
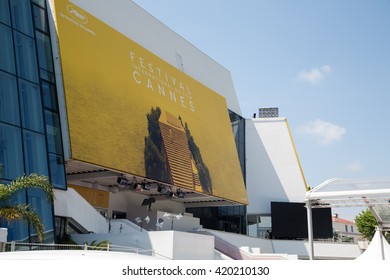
(18, 246)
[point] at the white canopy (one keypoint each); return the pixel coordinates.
(379, 249)
(371, 193)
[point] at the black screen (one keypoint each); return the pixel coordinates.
(289, 221)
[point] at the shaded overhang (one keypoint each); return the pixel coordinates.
(93, 176)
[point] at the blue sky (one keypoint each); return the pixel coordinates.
(325, 64)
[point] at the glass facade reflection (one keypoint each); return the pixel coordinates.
(30, 133)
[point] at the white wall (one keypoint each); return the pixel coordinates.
(71, 204)
(272, 166)
(167, 244)
(138, 25)
(339, 227)
(186, 223)
(239, 240)
(322, 250)
(3, 234)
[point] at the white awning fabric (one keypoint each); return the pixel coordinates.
(379, 249)
(371, 193)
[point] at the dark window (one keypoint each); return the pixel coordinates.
(9, 104)
(7, 62)
(38, 202)
(45, 57)
(49, 95)
(118, 215)
(26, 61)
(224, 218)
(11, 154)
(21, 16)
(41, 3)
(53, 132)
(31, 106)
(4, 12)
(44, 51)
(17, 230)
(35, 153)
(40, 19)
(57, 171)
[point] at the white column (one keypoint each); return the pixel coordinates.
(3, 238)
(379, 229)
(310, 229)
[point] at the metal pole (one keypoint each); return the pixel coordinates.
(382, 245)
(310, 229)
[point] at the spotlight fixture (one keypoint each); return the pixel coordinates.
(169, 194)
(146, 186)
(122, 181)
(180, 193)
(162, 190)
(148, 202)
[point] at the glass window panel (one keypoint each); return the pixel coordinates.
(26, 60)
(35, 153)
(9, 104)
(31, 106)
(57, 171)
(21, 16)
(7, 61)
(44, 51)
(53, 132)
(11, 153)
(242, 210)
(46, 75)
(2, 181)
(223, 211)
(40, 19)
(4, 12)
(49, 95)
(41, 3)
(17, 230)
(38, 202)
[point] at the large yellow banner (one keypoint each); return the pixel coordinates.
(130, 111)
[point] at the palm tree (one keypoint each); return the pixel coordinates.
(22, 211)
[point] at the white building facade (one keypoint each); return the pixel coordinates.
(273, 170)
(345, 230)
